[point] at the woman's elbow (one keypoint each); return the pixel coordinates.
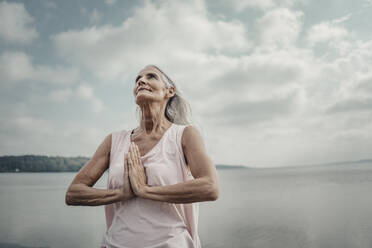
(69, 197)
(213, 191)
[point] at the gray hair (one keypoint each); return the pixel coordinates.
(178, 110)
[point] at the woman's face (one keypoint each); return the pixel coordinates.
(150, 87)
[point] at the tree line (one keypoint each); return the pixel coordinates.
(38, 163)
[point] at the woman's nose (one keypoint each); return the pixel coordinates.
(141, 82)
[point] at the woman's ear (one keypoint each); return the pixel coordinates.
(171, 91)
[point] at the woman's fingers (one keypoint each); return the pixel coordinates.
(137, 177)
(130, 150)
(138, 154)
(130, 170)
(126, 170)
(133, 154)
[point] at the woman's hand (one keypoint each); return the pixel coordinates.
(137, 174)
(127, 188)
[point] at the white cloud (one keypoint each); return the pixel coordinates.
(61, 95)
(326, 31)
(239, 5)
(280, 27)
(85, 91)
(17, 66)
(110, 2)
(332, 36)
(82, 91)
(342, 19)
(264, 4)
(97, 105)
(154, 34)
(16, 24)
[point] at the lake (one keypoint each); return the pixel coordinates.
(324, 206)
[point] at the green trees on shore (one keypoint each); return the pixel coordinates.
(38, 163)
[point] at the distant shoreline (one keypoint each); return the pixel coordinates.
(42, 163)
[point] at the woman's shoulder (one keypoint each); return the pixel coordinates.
(180, 128)
(189, 133)
(119, 131)
(118, 134)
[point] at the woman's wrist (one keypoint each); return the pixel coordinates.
(143, 191)
(124, 194)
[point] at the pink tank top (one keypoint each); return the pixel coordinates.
(145, 223)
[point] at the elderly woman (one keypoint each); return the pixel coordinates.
(157, 172)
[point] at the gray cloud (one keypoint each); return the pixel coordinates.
(352, 105)
(244, 113)
(16, 24)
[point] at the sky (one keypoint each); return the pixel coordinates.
(271, 83)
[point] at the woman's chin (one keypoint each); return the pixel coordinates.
(141, 98)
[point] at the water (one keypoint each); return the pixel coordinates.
(296, 207)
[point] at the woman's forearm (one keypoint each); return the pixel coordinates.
(81, 194)
(196, 190)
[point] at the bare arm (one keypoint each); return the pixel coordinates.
(81, 191)
(203, 188)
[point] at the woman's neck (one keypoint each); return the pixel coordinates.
(153, 119)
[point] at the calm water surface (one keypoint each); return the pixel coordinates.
(293, 207)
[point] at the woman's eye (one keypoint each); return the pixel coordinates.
(151, 75)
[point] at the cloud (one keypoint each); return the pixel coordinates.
(246, 112)
(343, 83)
(82, 91)
(25, 134)
(155, 33)
(110, 2)
(326, 31)
(61, 95)
(95, 16)
(355, 94)
(274, 73)
(280, 27)
(263, 71)
(364, 85)
(18, 66)
(16, 24)
(86, 92)
(262, 4)
(352, 105)
(50, 4)
(30, 124)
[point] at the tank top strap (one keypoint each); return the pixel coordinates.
(117, 141)
(191, 210)
(178, 139)
(178, 135)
